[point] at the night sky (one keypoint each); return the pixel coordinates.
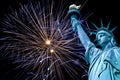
(105, 9)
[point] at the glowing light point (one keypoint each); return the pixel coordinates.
(48, 69)
(51, 50)
(48, 42)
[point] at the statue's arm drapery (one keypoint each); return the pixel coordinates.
(91, 52)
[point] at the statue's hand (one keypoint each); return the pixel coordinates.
(75, 23)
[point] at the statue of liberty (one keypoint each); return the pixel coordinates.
(104, 62)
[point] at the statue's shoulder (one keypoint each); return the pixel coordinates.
(114, 51)
(116, 48)
(113, 57)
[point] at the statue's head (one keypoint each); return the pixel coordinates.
(104, 35)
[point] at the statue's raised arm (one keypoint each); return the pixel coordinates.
(74, 14)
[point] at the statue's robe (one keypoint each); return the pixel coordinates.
(104, 65)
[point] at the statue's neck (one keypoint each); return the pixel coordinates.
(107, 46)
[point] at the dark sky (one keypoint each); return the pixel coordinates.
(105, 9)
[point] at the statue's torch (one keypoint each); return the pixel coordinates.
(74, 13)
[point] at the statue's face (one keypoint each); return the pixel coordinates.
(103, 38)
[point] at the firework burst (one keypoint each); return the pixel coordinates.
(41, 41)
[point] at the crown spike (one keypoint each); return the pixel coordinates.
(113, 29)
(95, 26)
(101, 23)
(91, 33)
(108, 25)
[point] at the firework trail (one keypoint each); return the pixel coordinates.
(39, 38)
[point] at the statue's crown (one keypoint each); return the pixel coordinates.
(102, 28)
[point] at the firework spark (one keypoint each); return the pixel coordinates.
(39, 39)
